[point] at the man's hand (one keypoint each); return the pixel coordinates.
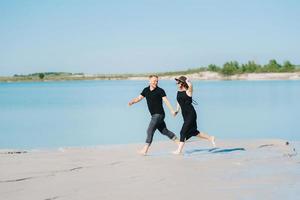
(130, 103)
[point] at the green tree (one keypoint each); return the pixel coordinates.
(272, 66)
(288, 67)
(250, 67)
(41, 75)
(213, 68)
(230, 68)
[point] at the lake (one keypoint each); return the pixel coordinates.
(88, 113)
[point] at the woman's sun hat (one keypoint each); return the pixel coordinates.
(182, 79)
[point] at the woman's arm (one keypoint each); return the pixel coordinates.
(189, 91)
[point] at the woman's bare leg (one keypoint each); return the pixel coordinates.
(203, 135)
(179, 149)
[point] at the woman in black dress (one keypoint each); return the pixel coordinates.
(184, 101)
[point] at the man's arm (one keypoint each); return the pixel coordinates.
(177, 108)
(136, 100)
(165, 99)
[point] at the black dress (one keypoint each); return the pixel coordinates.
(189, 127)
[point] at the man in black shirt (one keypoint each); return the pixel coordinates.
(155, 96)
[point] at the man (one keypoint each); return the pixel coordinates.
(154, 96)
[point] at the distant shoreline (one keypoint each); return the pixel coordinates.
(217, 76)
(205, 75)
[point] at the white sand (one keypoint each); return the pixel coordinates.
(237, 169)
(216, 76)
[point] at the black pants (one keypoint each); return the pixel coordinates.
(157, 122)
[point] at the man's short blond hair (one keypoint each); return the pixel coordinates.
(153, 75)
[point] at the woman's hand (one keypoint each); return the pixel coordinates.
(174, 113)
(187, 80)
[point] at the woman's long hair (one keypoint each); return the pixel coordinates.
(184, 85)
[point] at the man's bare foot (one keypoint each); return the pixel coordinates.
(213, 141)
(144, 150)
(177, 141)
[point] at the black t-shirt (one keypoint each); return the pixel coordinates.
(154, 99)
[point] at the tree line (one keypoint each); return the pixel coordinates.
(228, 68)
(42, 75)
(233, 67)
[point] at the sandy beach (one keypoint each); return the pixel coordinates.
(246, 76)
(236, 169)
(206, 75)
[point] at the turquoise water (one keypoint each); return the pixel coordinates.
(84, 113)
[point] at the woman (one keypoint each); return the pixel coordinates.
(184, 101)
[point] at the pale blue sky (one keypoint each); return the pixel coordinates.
(144, 36)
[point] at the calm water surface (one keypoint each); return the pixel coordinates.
(84, 113)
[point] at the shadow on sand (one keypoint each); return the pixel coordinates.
(195, 151)
(214, 150)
